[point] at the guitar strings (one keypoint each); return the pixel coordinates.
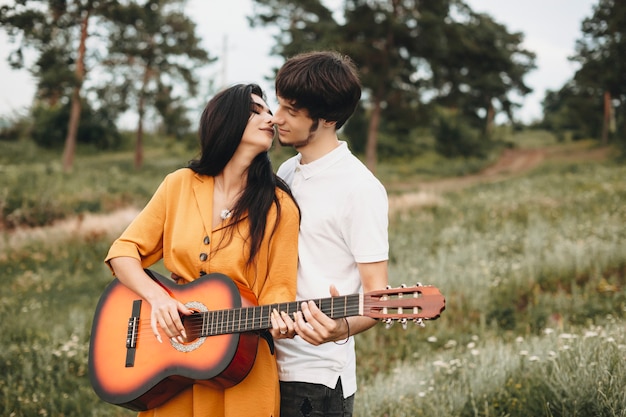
(214, 322)
(229, 324)
(254, 318)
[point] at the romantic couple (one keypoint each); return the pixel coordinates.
(317, 228)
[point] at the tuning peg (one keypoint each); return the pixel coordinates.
(420, 322)
(388, 323)
(404, 323)
(419, 284)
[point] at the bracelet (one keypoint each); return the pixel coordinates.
(347, 337)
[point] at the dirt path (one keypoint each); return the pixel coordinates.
(511, 163)
(84, 225)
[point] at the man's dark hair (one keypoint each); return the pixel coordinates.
(325, 83)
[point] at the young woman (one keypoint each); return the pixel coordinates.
(226, 212)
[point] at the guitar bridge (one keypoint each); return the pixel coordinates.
(131, 335)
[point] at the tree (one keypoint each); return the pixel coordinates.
(478, 67)
(572, 110)
(58, 31)
(601, 51)
(406, 51)
(380, 36)
(152, 48)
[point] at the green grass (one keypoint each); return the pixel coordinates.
(36, 191)
(539, 259)
(533, 270)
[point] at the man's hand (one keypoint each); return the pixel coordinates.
(315, 327)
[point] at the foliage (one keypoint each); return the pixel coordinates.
(36, 191)
(476, 66)
(14, 127)
(572, 111)
(153, 50)
(46, 341)
(48, 28)
(50, 126)
(559, 373)
(533, 271)
(456, 138)
(592, 104)
(410, 55)
(404, 132)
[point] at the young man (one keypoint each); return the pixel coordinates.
(343, 246)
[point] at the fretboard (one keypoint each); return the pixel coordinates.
(249, 319)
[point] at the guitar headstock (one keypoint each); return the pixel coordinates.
(418, 303)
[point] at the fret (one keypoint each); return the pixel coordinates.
(265, 317)
(261, 315)
(220, 322)
(229, 321)
(238, 312)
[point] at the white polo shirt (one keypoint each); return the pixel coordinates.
(344, 222)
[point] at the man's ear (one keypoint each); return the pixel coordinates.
(327, 123)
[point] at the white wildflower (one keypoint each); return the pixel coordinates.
(450, 344)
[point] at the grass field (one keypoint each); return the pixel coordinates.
(533, 268)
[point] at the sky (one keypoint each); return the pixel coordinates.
(550, 27)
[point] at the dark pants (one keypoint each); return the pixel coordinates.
(301, 399)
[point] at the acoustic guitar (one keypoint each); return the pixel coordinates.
(130, 368)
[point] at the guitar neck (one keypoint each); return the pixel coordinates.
(249, 319)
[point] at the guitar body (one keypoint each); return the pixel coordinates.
(130, 368)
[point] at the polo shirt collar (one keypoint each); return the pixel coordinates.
(321, 164)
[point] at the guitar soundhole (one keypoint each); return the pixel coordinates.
(193, 327)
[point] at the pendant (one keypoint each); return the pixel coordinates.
(225, 214)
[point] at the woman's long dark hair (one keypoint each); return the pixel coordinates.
(222, 124)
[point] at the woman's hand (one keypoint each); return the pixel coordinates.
(282, 325)
(165, 315)
(165, 310)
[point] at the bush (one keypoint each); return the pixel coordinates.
(456, 138)
(14, 128)
(95, 128)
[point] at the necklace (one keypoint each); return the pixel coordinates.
(225, 198)
(225, 214)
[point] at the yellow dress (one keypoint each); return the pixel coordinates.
(176, 225)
